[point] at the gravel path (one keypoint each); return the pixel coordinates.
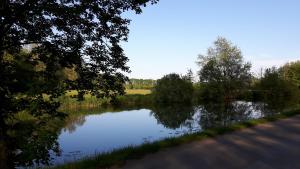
(273, 145)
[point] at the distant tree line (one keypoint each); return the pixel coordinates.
(140, 84)
(224, 76)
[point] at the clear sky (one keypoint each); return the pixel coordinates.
(167, 37)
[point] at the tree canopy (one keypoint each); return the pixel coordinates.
(223, 69)
(79, 35)
(291, 72)
(173, 88)
(276, 90)
(73, 44)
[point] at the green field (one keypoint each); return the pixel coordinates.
(137, 91)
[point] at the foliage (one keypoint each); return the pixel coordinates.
(275, 90)
(80, 35)
(71, 105)
(291, 72)
(173, 89)
(189, 76)
(223, 72)
(71, 45)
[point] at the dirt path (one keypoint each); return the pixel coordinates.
(268, 146)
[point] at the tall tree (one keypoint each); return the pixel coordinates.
(223, 70)
(79, 36)
(82, 35)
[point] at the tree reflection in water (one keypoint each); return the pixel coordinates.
(209, 114)
(35, 143)
(173, 116)
(74, 121)
(225, 114)
(216, 114)
(31, 143)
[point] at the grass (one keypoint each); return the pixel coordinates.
(127, 91)
(137, 91)
(132, 98)
(119, 157)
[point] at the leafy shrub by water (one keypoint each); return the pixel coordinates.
(173, 88)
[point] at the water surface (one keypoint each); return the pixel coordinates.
(87, 135)
(108, 131)
(84, 135)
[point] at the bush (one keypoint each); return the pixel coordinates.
(173, 88)
(277, 91)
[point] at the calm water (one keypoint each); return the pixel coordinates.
(91, 134)
(84, 135)
(108, 131)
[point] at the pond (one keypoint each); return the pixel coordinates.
(108, 131)
(84, 135)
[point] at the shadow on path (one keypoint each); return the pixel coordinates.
(268, 146)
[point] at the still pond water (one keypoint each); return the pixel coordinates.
(88, 135)
(84, 135)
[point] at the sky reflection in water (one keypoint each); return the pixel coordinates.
(87, 135)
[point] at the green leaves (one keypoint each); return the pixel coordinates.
(223, 70)
(291, 72)
(173, 89)
(73, 45)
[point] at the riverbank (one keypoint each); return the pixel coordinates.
(134, 98)
(119, 157)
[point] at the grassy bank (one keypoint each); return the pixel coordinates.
(137, 91)
(133, 98)
(127, 91)
(119, 157)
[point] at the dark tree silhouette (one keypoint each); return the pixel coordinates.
(63, 36)
(82, 35)
(173, 88)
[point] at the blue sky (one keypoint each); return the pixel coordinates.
(168, 37)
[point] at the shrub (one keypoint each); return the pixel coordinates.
(277, 91)
(173, 88)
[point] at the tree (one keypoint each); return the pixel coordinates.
(291, 72)
(223, 71)
(189, 75)
(78, 36)
(173, 89)
(276, 90)
(82, 35)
